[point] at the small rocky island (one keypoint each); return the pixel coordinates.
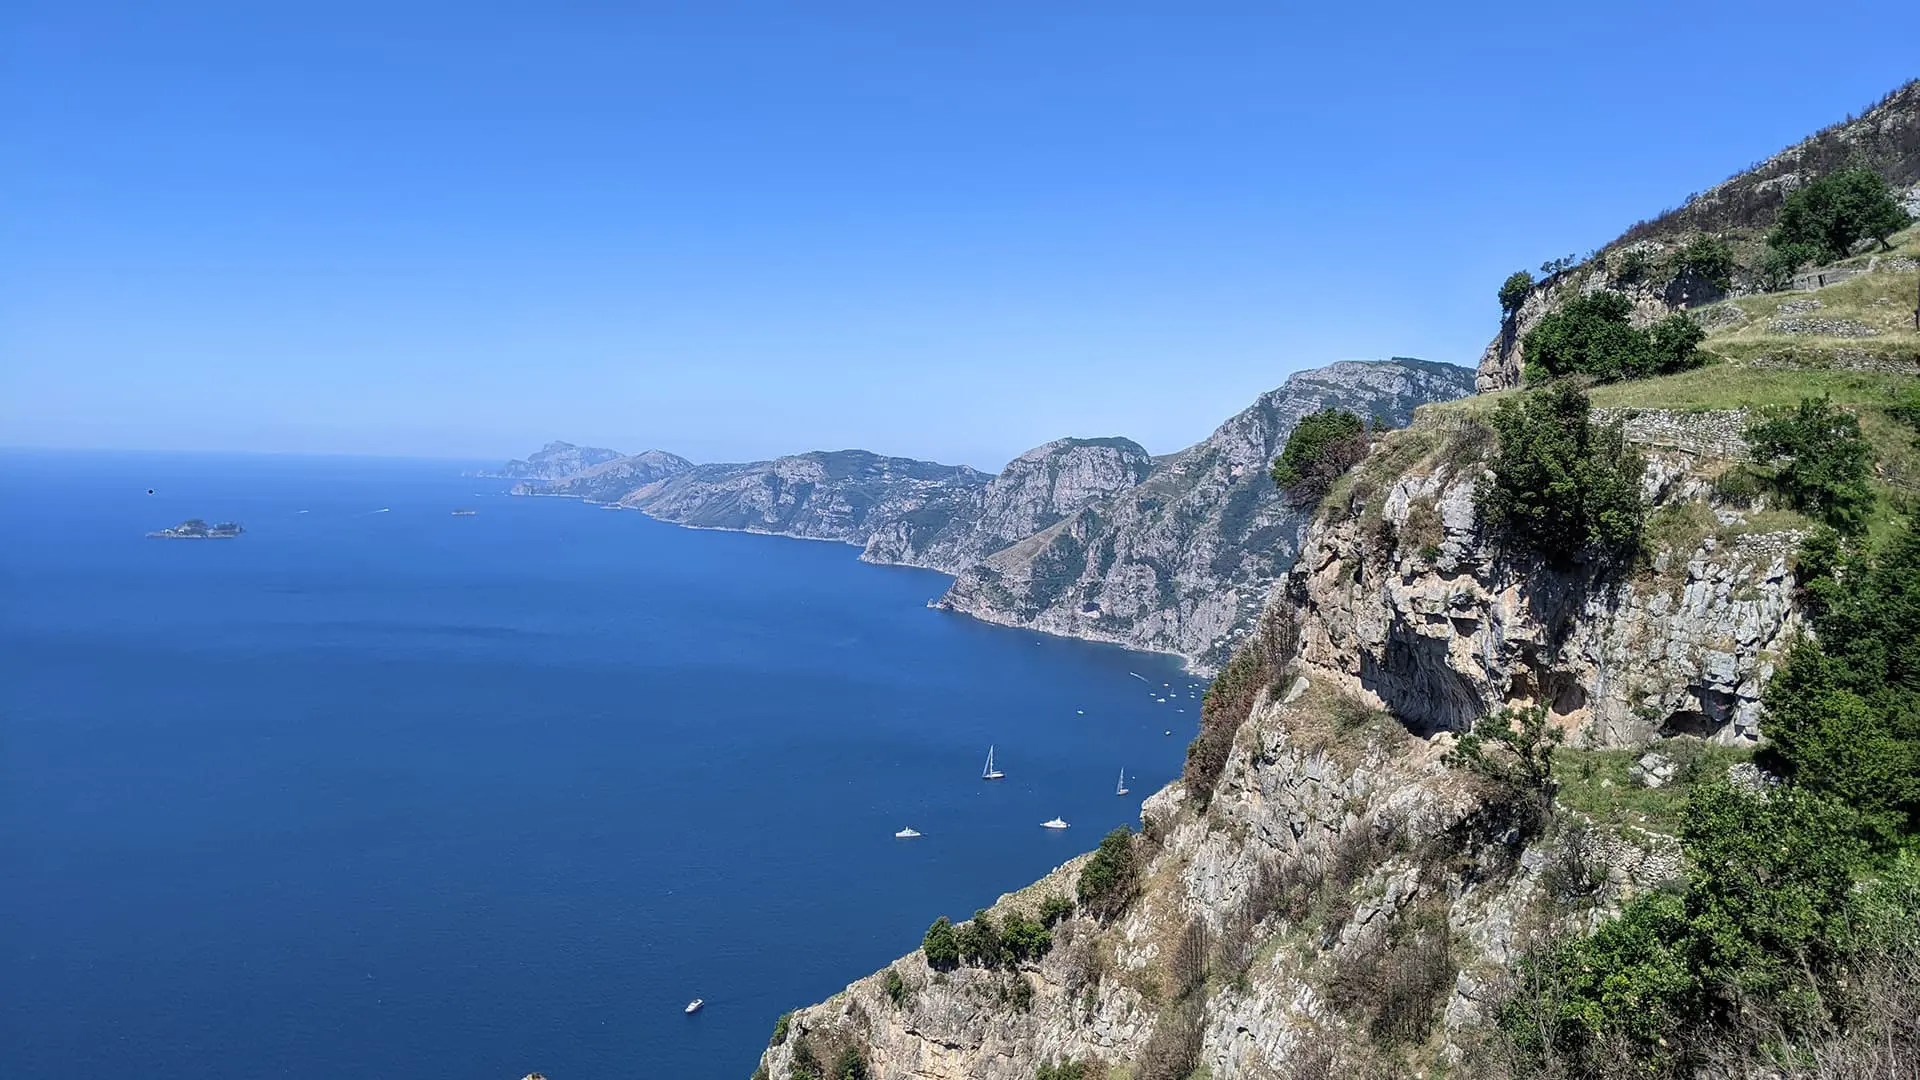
(196, 529)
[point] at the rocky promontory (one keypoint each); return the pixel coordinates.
(824, 495)
(1181, 561)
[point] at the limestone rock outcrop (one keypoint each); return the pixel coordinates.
(1181, 562)
(1408, 602)
(1035, 490)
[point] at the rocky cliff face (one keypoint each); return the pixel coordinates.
(824, 495)
(1338, 866)
(1035, 490)
(610, 481)
(1341, 899)
(557, 460)
(1401, 598)
(1181, 562)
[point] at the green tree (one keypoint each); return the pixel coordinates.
(1843, 713)
(1767, 900)
(1781, 262)
(1837, 211)
(1025, 939)
(1109, 879)
(1319, 448)
(1821, 462)
(1054, 908)
(940, 945)
(1594, 335)
(980, 942)
(1708, 258)
(1562, 485)
(1513, 749)
(1635, 267)
(780, 1028)
(1513, 292)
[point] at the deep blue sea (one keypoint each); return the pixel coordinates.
(376, 790)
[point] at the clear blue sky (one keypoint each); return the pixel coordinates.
(944, 230)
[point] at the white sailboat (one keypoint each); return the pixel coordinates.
(991, 773)
(1121, 788)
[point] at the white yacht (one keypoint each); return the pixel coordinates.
(694, 1005)
(1056, 823)
(991, 773)
(1121, 788)
(906, 833)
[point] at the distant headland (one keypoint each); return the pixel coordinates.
(196, 529)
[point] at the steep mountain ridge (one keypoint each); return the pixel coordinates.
(1181, 562)
(1035, 490)
(1738, 211)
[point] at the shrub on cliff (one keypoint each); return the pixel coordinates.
(1024, 939)
(1229, 699)
(1110, 878)
(1512, 750)
(1832, 214)
(1319, 448)
(806, 1063)
(1821, 462)
(1054, 908)
(1593, 335)
(1562, 485)
(1062, 1069)
(1513, 292)
(940, 945)
(850, 1065)
(1764, 937)
(1843, 713)
(979, 941)
(895, 987)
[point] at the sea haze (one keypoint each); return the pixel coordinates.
(378, 790)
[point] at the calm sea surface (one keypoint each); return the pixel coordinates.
(376, 790)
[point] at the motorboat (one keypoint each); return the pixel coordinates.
(1056, 823)
(694, 1005)
(906, 833)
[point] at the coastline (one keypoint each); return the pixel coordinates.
(1188, 665)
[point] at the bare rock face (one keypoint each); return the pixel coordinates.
(557, 460)
(1181, 561)
(610, 481)
(1035, 490)
(824, 495)
(1437, 624)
